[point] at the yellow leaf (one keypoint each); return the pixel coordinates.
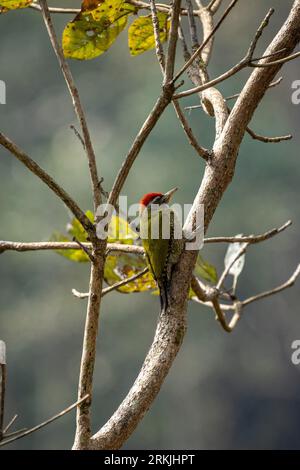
(14, 4)
(119, 231)
(79, 256)
(122, 266)
(141, 33)
(92, 32)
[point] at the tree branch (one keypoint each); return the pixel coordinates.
(225, 273)
(45, 423)
(107, 290)
(225, 150)
(160, 105)
(247, 61)
(83, 429)
(162, 102)
(232, 97)
(161, 59)
(214, 5)
(192, 25)
(201, 151)
(49, 181)
(168, 338)
(41, 246)
(158, 45)
(138, 250)
(274, 291)
(76, 103)
(205, 42)
(268, 140)
(173, 36)
(139, 4)
(251, 239)
(88, 358)
(2, 387)
(83, 434)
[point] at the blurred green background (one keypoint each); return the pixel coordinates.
(224, 391)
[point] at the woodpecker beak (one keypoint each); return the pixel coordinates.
(167, 196)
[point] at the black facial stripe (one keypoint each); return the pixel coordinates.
(156, 200)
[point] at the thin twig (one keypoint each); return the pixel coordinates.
(250, 131)
(124, 282)
(280, 288)
(247, 61)
(80, 295)
(158, 109)
(2, 393)
(202, 152)
(85, 295)
(206, 41)
(214, 5)
(232, 97)
(76, 103)
(274, 62)
(45, 423)
(158, 44)
(173, 36)
(9, 425)
(259, 32)
(41, 246)
(268, 140)
(185, 50)
(79, 137)
(192, 25)
(209, 296)
(225, 273)
(141, 5)
(84, 249)
(49, 181)
(220, 315)
(221, 78)
(161, 60)
(251, 239)
(15, 433)
(237, 307)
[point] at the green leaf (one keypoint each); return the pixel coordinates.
(122, 266)
(206, 270)
(92, 32)
(14, 4)
(141, 33)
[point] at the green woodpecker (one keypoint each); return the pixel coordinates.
(161, 235)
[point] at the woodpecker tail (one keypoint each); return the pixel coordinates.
(164, 297)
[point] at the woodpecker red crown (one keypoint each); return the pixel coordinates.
(148, 198)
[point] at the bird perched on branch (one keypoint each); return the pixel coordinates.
(161, 234)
